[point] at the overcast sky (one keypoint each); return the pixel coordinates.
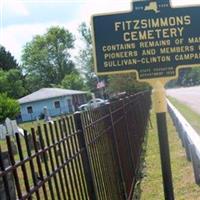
(22, 19)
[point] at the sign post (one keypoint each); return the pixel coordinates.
(154, 41)
(161, 109)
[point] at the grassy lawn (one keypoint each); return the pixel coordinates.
(192, 117)
(182, 171)
(67, 148)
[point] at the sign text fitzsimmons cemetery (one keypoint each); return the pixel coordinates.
(153, 40)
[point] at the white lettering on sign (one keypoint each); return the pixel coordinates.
(153, 34)
(152, 23)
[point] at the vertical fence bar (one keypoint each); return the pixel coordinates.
(76, 148)
(98, 169)
(52, 161)
(57, 160)
(91, 151)
(73, 167)
(127, 135)
(24, 171)
(46, 162)
(62, 161)
(12, 160)
(62, 130)
(117, 156)
(31, 163)
(39, 163)
(77, 165)
(85, 158)
(5, 180)
(97, 141)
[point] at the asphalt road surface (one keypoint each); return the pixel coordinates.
(189, 96)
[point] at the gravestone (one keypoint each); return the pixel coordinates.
(12, 127)
(11, 185)
(2, 132)
(47, 117)
(16, 128)
(9, 127)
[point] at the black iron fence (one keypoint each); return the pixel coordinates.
(89, 155)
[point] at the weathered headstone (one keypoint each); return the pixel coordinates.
(2, 132)
(11, 185)
(9, 127)
(47, 117)
(16, 128)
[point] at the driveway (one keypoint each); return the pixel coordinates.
(189, 96)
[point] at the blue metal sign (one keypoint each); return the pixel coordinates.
(154, 40)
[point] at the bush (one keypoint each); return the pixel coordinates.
(8, 107)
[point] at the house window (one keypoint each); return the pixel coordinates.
(30, 109)
(57, 104)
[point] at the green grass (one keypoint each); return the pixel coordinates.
(192, 117)
(182, 171)
(70, 147)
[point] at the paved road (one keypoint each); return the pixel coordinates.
(190, 96)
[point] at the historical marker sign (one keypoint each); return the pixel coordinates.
(153, 40)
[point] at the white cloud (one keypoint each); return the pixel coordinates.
(14, 37)
(91, 7)
(15, 7)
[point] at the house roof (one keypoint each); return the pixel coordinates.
(47, 93)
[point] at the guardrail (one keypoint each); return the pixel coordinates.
(190, 139)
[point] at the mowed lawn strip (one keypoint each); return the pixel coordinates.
(191, 116)
(182, 170)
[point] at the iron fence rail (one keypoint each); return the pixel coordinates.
(88, 155)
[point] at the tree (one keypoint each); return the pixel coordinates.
(191, 77)
(73, 81)
(7, 61)
(11, 82)
(46, 59)
(125, 83)
(187, 77)
(85, 59)
(116, 83)
(8, 107)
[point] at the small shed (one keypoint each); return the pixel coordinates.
(56, 100)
